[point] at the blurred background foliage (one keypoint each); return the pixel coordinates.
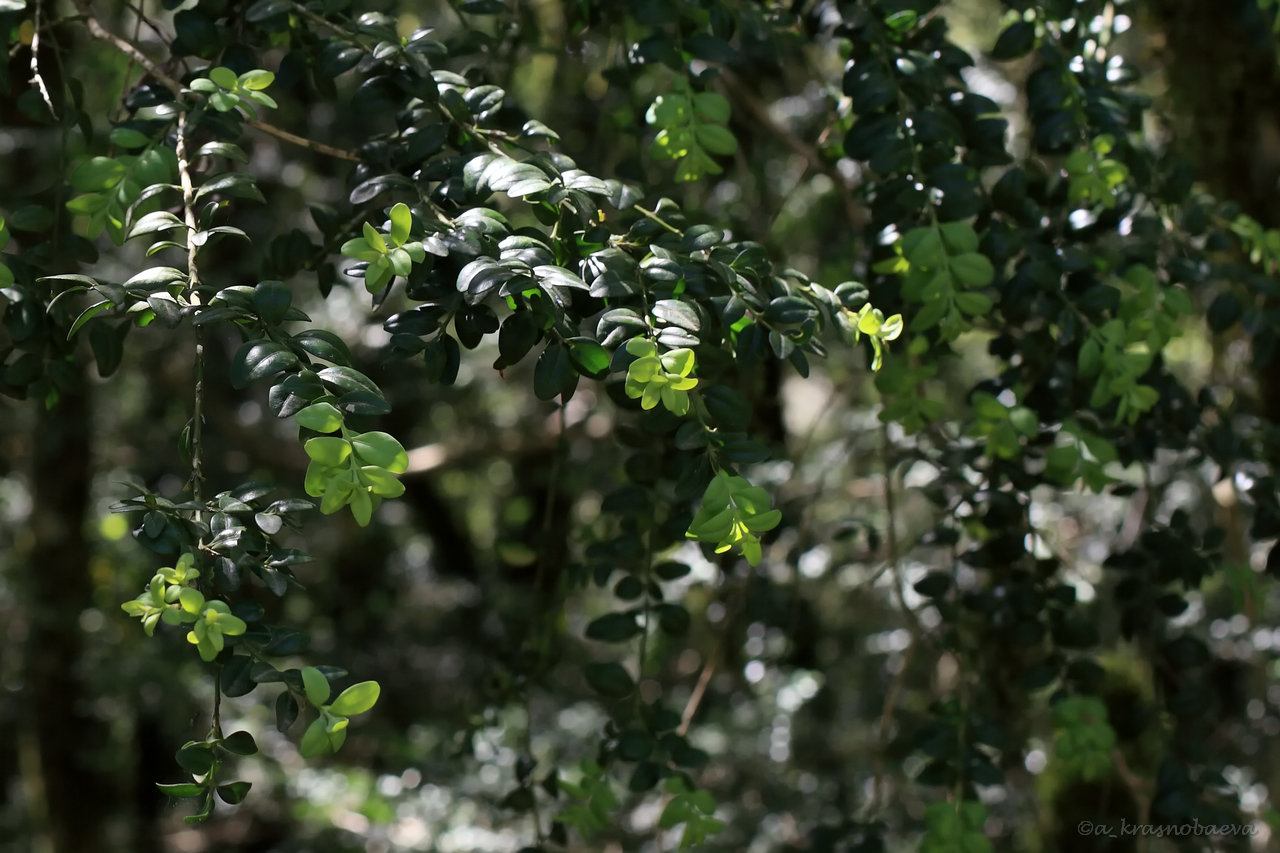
(822, 683)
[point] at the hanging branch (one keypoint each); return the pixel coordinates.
(36, 77)
(193, 295)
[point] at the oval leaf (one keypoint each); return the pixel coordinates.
(356, 699)
(316, 685)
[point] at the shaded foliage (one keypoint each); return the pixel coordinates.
(559, 399)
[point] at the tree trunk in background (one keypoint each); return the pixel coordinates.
(1223, 69)
(68, 791)
(1221, 64)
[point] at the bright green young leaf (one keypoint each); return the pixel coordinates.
(381, 449)
(224, 77)
(316, 686)
(361, 506)
(378, 275)
(256, 79)
(315, 741)
(321, 417)
(356, 699)
(589, 357)
(381, 482)
(329, 450)
(359, 248)
(338, 492)
(401, 222)
(374, 239)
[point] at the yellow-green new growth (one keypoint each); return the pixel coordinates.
(228, 90)
(733, 515)
(169, 599)
(328, 731)
(390, 255)
(352, 469)
(652, 377)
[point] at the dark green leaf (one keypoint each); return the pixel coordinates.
(86, 315)
(520, 799)
(1224, 312)
(645, 777)
(323, 344)
(482, 7)
(286, 711)
(518, 335)
(234, 184)
(260, 359)
(554, 373)
(673, 619)
(609, 679)
(676, 313)
(701, 237)
(240, 743)
(370, 189)
(236, 680)
(670, 570)
(1017, 40)
(789, 311)
(472, 323)
(344, 379)
(272, 299)
(635, 745)
(629, 588)
(182, 790)
(933, 585)
(107, 343)
(234, 792)
(196, 758)
(613, 628)
(481, 276)
(443, 356)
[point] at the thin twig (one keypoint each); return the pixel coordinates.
(136, 9)
(649, 214)
(337, 29)
(310, 144)
(534, 812)
(215, 724)
(129, 49)
(541, 630)
(642, 652)
(1138, 787)
(891, 538)
(35, 61)
(915, 628)
(121, 105)
(699, 690)
(857, 215)
(193, 295)
(188, 204)
(548, 508)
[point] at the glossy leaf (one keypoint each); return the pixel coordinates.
(356, 699)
